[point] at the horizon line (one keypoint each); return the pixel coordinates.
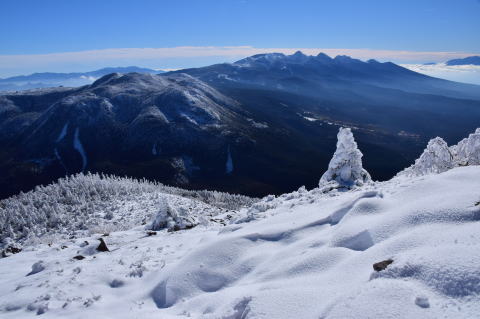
(193, 56)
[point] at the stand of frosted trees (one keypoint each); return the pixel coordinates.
(80, 202)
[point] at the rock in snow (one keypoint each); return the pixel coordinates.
(345, 168)
(306, 254)
(102, 246)
(382, 265)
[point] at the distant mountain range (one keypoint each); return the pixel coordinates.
(471, 60)
(49, 79)
(264, 124)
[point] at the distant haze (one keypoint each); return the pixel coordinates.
(190, 56)
(459, 73)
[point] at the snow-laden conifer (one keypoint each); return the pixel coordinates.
(345, 168)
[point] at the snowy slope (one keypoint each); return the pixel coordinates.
(311, 258)
(306, 254)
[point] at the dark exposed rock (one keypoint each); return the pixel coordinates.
(422, 302)
(151, 233)
(102, 246)
(10, 250)
(79, 257)
(63, 247)
(218, 220)
(382, 265)
(106, 235)
(178, 228)
(117, 283)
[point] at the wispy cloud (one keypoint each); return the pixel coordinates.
(180, 57)
(459, 73)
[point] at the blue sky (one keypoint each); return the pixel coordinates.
(33, 29)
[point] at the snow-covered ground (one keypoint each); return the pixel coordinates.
(307, 254)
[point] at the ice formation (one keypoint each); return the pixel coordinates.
(345, 168)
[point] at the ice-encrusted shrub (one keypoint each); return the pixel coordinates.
(436, 158)
(345, 168)
(467, 151)
(172, 219)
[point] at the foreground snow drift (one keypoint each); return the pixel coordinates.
(300, 255)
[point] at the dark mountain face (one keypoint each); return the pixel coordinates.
(322, 76)
(176, 129)
(265, 124)
(375, 97)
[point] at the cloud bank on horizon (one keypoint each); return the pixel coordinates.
(458, 73)
(196, 56)
(186, 56)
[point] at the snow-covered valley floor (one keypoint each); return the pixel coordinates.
(301, 255)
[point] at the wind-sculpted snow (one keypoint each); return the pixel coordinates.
(308, 254)
(91, 203)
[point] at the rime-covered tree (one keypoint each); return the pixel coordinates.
(345, 168)
(435, 159)
(438, 157)
(467, 151)
(172, 219)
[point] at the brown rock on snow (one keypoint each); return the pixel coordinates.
(10, 250)
(382, 265)
(102, 246)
